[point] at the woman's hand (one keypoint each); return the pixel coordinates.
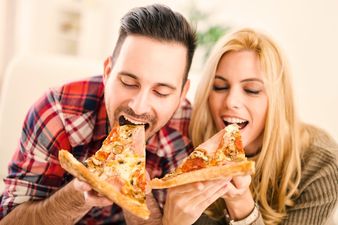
(186, 203)
(238, 197)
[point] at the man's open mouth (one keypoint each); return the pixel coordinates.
(127, 121)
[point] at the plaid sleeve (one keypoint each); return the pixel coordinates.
(169, 147)
(34, 172)
(168, 163)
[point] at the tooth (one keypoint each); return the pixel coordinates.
(234, 120)
(135, 122)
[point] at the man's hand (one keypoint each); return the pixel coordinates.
(155, 217)
(186, 203)
(66, 206)
(91, 197)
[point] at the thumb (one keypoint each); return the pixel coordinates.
(81, 185)
(148, 188)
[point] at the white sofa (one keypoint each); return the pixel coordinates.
(26, 79)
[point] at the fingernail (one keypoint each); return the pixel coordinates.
(200, 186)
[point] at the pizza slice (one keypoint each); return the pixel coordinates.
(220, 156)
(117, 169)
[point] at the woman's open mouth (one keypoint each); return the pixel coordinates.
(231, 120)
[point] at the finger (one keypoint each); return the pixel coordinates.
(186, 188)
(94, 199)
(81, 185)
(195, 197)
(198, 186)
(241, 181)
(148, 187)
(210, 189)
(147, 176)
(211, 198)
(233, 192)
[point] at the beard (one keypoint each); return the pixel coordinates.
(125, 115)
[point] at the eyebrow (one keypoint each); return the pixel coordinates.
(170, 86)
(242, 81)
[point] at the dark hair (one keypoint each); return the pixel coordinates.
(161, 23)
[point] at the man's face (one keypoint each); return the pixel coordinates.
(144, 85)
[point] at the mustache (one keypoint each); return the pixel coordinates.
(130, 112)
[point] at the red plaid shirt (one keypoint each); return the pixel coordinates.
(74, 117)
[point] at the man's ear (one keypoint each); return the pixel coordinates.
(185, 90)
(107, 68)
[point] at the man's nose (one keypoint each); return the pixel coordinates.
(140, 103)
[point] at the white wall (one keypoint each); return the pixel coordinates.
(307, 30)
(2, 31)
(6, 34)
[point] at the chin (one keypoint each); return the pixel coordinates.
(149, 132)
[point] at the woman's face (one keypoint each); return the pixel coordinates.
(238, 96)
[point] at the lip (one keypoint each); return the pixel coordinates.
(134, 120)
(242, 125)
(232, 116)
(125, 119)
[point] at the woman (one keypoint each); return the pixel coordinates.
(246, 81)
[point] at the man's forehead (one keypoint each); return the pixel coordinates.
(150, 59)
(158, 81)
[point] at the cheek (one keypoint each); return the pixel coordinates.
(165, 108)
(215, 104)
(261, 113)
(114, 95)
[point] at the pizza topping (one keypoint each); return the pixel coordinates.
(119, 163)
(238, 143)
(230, 149)
(138, 179)
(193, 164)
(101, 155)
(198, 159)
(199, 153)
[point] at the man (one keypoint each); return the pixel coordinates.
(145, 81)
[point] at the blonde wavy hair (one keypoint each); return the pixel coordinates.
(278, 164)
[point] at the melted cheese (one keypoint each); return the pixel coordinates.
(126, 165)
(121, 162)
(232, 128)
(199, 154)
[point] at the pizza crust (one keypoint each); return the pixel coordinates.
(77, 169)
(211, 173)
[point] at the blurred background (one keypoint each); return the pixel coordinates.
(44, 43)
(79, 34)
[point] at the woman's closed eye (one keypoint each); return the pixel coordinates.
(252, 91)
(220, 87)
